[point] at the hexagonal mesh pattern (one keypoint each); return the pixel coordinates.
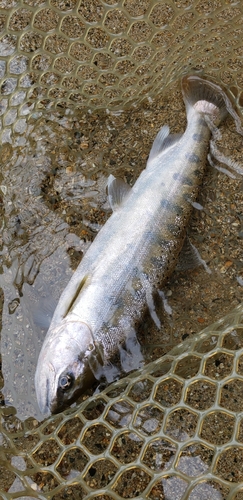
(174, 430)
(79, 53)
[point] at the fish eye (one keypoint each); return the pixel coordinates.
(65, 381)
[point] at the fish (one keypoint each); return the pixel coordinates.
(131, 257)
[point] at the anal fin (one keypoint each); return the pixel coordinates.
(190, 258)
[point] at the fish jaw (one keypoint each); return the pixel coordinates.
(66, 365)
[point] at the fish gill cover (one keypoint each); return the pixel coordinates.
(174, 429)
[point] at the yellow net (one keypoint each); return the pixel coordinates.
(79, 53)
(173, 430)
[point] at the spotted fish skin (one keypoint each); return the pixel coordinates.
(131, 257)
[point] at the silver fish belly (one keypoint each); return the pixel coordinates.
(130, 258)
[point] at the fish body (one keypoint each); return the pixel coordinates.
(131, 257)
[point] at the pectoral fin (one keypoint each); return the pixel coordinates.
(75, 296)
(68, 298)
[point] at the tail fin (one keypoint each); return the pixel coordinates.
(204, 97)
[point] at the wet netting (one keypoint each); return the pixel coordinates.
(78, 53)
(173, 430)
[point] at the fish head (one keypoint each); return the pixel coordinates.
(66, 366)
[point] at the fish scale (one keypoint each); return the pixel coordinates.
(131, 257)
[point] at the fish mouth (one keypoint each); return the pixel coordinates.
(58, 408)
(43, 388)
(47, 402)
(79, 361)
(63, 400)
(60, 403)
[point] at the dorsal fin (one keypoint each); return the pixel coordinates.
(162, 141)
(118, 191)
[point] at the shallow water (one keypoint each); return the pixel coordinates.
(53, 201)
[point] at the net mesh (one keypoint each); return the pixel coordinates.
(174, 430)
(79, 53)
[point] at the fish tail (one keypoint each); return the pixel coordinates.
(204, 97)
